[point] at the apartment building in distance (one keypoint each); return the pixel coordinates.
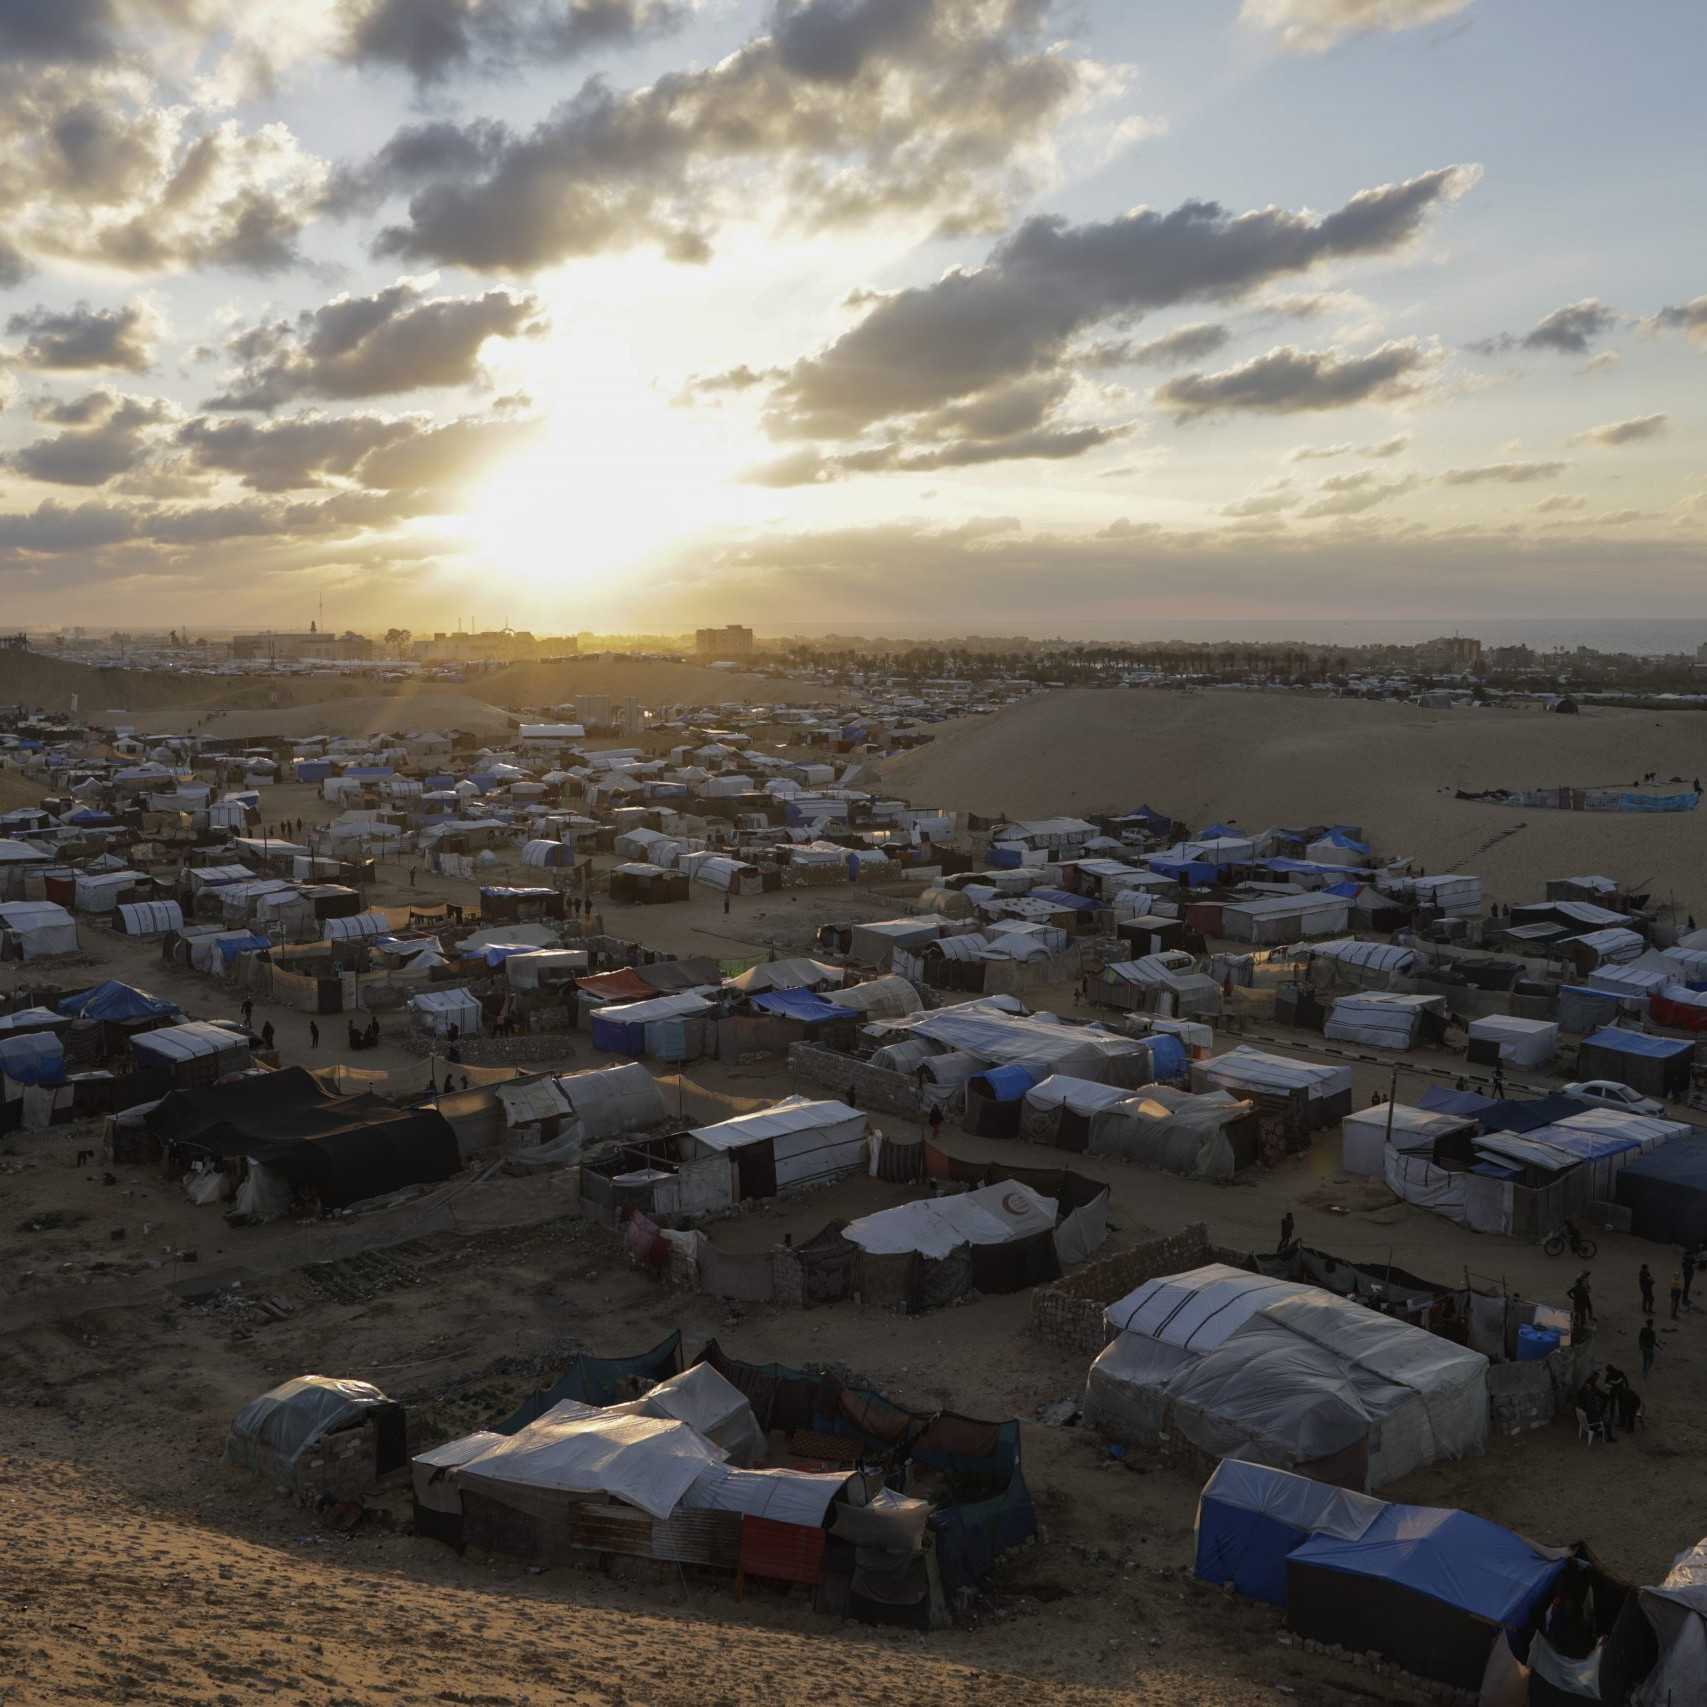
(731, 642)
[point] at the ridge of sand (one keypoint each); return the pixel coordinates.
(1291, 758)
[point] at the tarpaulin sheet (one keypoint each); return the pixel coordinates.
(599, 1381)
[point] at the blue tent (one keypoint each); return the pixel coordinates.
(1529, 1114)
(1005, 1084)
(1005, 856)
(231, 947)
(1339, 839)
(1437, 1099)
(117, 1004)
(89, 817)
(1427, 1587)
(1066, 898)
(1217, 830)
(801, 1005)
(1194, 873)
(1250, 1517)
(1348, 891)
(1666, 1193)
(1656, 1066)
(1167, 1056)
(33, 1058)
(1639, 1043)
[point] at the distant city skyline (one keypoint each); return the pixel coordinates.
(818, 314)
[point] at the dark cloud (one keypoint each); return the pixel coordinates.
(1629, 432)
(1314, 26)
(1568, 331)
(1560, 501)
(1395, 446)
(922, 348)
(810, 466)
(436, 39)
(1503, 473)
(84, 338)
(444, 460)
(1689, 318)
(51, 528)
(1286, 381)
(1353, 494)
(1193, 343)
(370, 346)
(849, 112)
(109, 436)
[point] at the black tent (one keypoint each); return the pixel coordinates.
(1666, 1193)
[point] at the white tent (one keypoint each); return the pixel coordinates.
(191, 1041)
(795, 974)
(150, 918)
(355, 927)
(436, 1011)
(934, 1226)
(38, 928)
(1301, 1377)
(888, 997)
(1521, 1042)
(99, 892)
(1383, 1019)
(1364, 1131)
(1677, 1610)
(1164, 1127)
(810, 1141)
(1247, 1069)
(1369, 956)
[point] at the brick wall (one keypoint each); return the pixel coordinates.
(339, 1465)
(1069, 1313)
(815, 1071)
(1522, 1396)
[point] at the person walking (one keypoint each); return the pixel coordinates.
(1688, 1275)
(1645, 1280)
(1582, 1305)
(1647, 1342)
(313, 1035)
(267, 1035)
(1499, 1083)
(1676, 1293)
(726, 906)
(1286, 1226)
(935, 1120)
(411, 877)
(248, 1013)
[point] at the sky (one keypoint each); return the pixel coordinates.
(1092, 318)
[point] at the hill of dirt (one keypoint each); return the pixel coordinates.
(651, 681)
(1275, 758)
(409, 706)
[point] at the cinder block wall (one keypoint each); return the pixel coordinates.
(822, 1072)
(1069, 1313)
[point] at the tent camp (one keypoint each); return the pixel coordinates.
(1207, 1136)
(275, 1435)
(35, 930)
(795, 1142)
(1366, 1132)
(1253, 1072)
(1666, 1193)
(1383, 1019)
(439, 1013)
(1285, 1373)
(150, 918)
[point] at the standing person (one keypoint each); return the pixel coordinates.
(726, 906)
(1582, 1306)
(313, 1035)
(411, 877)
(1286, 1226)
(1647, 1342)
(267, 1035)
(1688, 1275)
(1499, 1083)
(853, 1096)
(1676, 1293)
(1645, 1280)
(248, 1013)
(935, 1120)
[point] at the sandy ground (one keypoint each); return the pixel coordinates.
(140, 1569)
(1285, 758)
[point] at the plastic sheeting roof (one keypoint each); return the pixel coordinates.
(291, 1417)
(802, 1005)
(1257, 1070)
(1082, 1096)
(1450, 1556)
(934, 1226)
(1377, 956)
(1199, 1309)
(1639, 1043)
(188, 1042)
(794, 1114)
(117, 1004)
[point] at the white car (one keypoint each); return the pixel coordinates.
(1611, 1093)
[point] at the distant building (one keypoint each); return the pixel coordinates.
(489, 646)
(593, 710)
(727, 643)
(1453, 655)
(291, 648)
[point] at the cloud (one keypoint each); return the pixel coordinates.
(1395, 446)
(1503, 473)
(82, 338)
(1288, 381)
(1314, 26)
(1566, 331)
(1558, 502)
(435, 39)
(1191, 343)
(976, 332)
(1382, 449)
(1689, 318)
(1276, 498)
(1633, 431)
(1606, 359)
(407, 453)
(811, 467)
(369, 346)
(107, 435)
(1352, 494)
(847, 112)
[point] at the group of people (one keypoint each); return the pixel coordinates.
(1609, 1403)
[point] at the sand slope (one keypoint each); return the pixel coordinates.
(652, 682)
(1278, 758)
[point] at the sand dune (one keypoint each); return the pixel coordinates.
(651, 681)
(1277, 758)
(408, 707)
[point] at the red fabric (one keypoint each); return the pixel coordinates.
(787, 1552)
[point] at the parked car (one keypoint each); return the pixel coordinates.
(1611, 1093)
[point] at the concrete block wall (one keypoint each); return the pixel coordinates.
(815, 1071)
(339, 1466)
(1069, 1313)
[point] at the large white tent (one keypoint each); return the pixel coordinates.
(38, 928)
(1364, 1133)
(810, 1141)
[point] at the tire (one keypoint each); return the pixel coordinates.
(1587, 1249)
(1554, 1246)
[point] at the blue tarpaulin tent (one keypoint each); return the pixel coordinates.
(1066, 898)
(1438, 1099)
(1530, 1114)
(1656, 1066)
(1430, 1588)
(1167, 1057)
(117, 1004)
(232, 946)
(34, 1058)
(1194, 873)
(1666, 1193)
(801, 1005)
(1250, 1517)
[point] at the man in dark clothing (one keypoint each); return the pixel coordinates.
(1286, 1226)
(1582, 1306)
(726, 906)
(1645, 1280)
(1647, 1342)
(248, 1013)
(313, 1035)
(267, 1035)
(1499, 1083)
(853, 1096)
(935, 1120)
(1676, 1293)
(411, 877)
(1593, 1404)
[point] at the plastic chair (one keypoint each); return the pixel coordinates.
(1591, 1432)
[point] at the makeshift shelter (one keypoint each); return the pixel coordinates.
(1374, 962)
(439, 1013)
(1285, 1373)
(36, 930)
(1428, 1588)
(1384, 1019)
(1666, 1193)
(196, 1053)
(881, 998)
(1210, 1136)
(874, 942)
(654, 1026)
(1676, 1611)
(997, 1214)
(113, 1003)
(1060, 1110)
(1655, 1066)
(1512, 1040)
(795, 1142)
(150, 918)
(278, 1436)
(1253, 1072)
(1251, 1516)
(795, 974)
(1366, 1132)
